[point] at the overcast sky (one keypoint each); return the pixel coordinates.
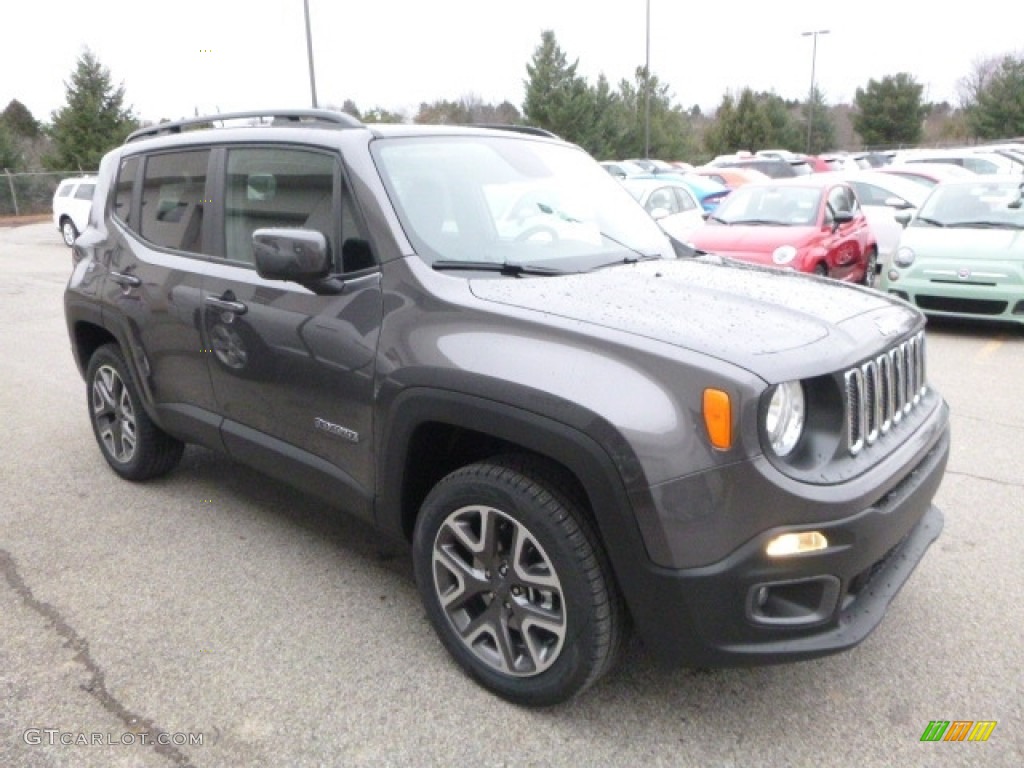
(178, 56)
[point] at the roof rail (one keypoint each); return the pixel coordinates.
(532, 130)
(279, 116)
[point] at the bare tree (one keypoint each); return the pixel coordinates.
(973, 84)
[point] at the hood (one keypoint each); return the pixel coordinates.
(735, 238)
(963, 244)
(749, 316)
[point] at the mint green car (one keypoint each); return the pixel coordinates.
(962, 253)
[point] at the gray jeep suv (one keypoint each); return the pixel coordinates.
(476, 340)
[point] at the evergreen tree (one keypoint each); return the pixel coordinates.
(739, 125)
(19, 120)
(556, 97)
(93, 121)
(671, 133)
(10, 156)
(823, 129)
(999, 110)
(890, 111)
(783, 132)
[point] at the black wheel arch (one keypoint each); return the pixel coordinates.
(427, 433)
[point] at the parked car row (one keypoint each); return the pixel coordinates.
(938, 234)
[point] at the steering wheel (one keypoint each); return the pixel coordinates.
(532, 234)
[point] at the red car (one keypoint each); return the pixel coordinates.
(811, 224)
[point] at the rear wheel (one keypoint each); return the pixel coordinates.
(68, 231)
(135, 447)
(515, 583)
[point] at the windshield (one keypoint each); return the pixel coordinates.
(974, 205)
(770, 204)
(510, 200)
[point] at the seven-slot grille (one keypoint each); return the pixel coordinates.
(881, 391)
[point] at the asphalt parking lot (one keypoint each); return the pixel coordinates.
(216, 606)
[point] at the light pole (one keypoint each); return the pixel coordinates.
(810, 98)
(647, 87)
(309, 51)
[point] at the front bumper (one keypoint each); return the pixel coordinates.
(750, 609)
(995, 303)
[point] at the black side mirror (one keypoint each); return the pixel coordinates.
(300, 255)
(903, 217)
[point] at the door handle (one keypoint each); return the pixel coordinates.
(125, 280)
(227, 303)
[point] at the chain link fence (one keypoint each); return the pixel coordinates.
(26, 194)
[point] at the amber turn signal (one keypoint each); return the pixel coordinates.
(718, 418)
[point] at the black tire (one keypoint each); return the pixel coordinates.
(871, 273)
(554, 608)
(821, 269)
(68, 231)
(134, 447)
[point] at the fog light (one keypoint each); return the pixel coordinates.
(796, 543)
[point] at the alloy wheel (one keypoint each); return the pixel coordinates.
(499, 591)
(114, 415)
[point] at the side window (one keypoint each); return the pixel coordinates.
(277, 187)
(869, 194)
(685, 200)
(852, 204)
(663, 199)
(173, 190)
(837, 202)
(84, 191)
(979, 165)
(65, 190)
(124, 190)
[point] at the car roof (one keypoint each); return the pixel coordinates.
(654, 182)
(893, 181)
(814, 180)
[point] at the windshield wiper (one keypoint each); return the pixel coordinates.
(757, 221)
(984, 225)
(505, 268)
(629, 260)
(712, 217)
(926, 220)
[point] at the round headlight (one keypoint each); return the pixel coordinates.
(784, 421)
(783, 254)
(904, 257)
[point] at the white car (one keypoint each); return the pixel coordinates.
(976, 159)
(71, 204)
(882, 196)
(669, 202)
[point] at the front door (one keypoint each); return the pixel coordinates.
(292, 370)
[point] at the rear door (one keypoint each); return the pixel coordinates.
(292, 370)
(155, 257)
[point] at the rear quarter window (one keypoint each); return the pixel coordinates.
(124, 189)
(173, 200)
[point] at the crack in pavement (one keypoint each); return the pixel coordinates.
(96, 686)
(1008, 483)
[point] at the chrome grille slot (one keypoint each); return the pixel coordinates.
(879, 392)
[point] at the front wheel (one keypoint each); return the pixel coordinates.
(871, 270)
(134, 447)
(68, 231)
(515, 583)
